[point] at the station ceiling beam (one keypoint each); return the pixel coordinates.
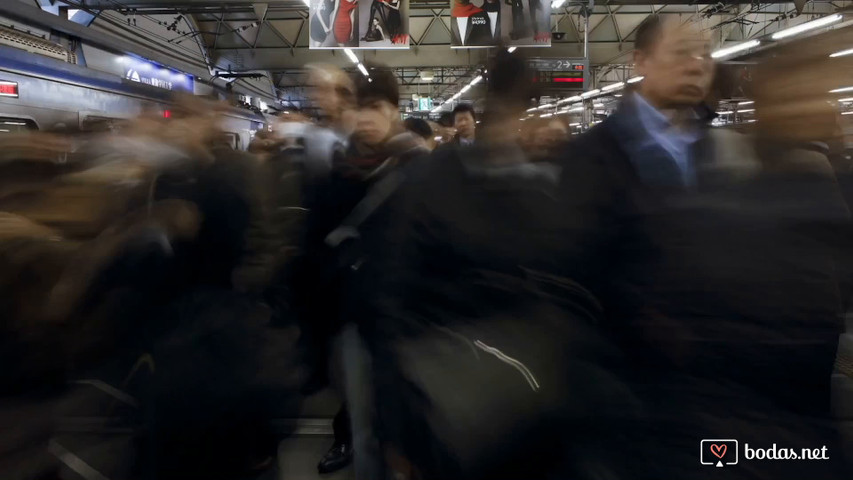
(177, 4)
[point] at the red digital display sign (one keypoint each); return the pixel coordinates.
(571, 76)
(8, 89)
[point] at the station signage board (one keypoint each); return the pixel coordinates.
(560, 73)
(150, 73)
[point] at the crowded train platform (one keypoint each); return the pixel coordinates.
(426, 240)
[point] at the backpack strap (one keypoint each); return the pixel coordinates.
(375, 198)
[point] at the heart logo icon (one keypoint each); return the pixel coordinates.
(718, 450)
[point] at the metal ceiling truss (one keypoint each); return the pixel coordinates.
(273, 36)
(292, 83)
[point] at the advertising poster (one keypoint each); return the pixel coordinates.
(384, 24)
(374, 24)
(333, 23)
(515, 23)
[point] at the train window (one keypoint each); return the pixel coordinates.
(14, 125)
(232, 139)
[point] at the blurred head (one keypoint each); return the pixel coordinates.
(375, 22)
(675, 60)
(793, 103)
(422, 129)
(330, 89)
(378, 111)
(552, 133)
(509, 90)
(464, 121)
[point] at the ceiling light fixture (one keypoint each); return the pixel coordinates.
(635, 79)
(351, 55)
(804, 27)
(576, 98)
(613, 86)
(725, 52)
(590, 93)
(841, 53)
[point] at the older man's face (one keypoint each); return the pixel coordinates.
(678, 68)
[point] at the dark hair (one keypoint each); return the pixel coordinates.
(463, 108)
(418, 126)
(381, 85)
(648, 33)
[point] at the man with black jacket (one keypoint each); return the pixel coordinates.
(460, 328)
(346, 215)
(718, 288)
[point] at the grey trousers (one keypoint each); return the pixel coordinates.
(368, 461)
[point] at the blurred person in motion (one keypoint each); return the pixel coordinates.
(722, 290)
(343, 200)
(548, 138)
(308, 286)
(212, 342)
(423, 130)
(79, 263)
(476, 338)
(445, 130)
(126, 231)
(333, 93)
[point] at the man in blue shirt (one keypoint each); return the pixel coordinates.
(721, 294)
(655, 125)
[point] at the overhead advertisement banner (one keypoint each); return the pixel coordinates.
(373, 24)
(515, 23)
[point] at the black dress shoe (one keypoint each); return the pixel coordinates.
(338, 457)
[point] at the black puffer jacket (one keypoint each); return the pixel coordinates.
(477, 339)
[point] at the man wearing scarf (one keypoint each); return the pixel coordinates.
(346, 223)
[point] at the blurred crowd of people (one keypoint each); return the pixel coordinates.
(491, 298)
